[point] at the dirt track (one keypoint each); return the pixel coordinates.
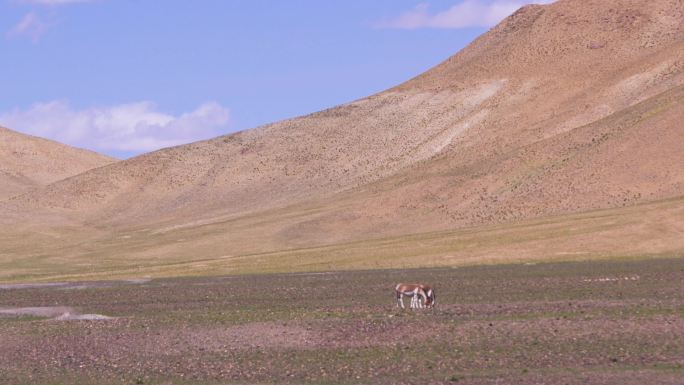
(598, 322)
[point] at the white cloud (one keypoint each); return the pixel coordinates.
(467, 13)
(133, 127)
(30, 25)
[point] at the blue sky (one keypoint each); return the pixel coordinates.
(124, 77)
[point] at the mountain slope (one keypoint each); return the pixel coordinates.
(542, 72)
(28, 162)
(624, 159)
(560, 109)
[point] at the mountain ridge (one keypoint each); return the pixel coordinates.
(560, 109)
(28, 162)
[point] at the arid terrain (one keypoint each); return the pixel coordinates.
(569, 323)
(535, 179)
(28, 162)
(563, 110)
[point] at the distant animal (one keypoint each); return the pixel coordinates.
(430, 296)
(417, 292)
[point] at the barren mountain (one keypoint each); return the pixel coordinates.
(560, 109)
(28, 162)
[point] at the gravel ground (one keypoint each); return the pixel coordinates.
(574, 323)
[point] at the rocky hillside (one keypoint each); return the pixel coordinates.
(560, 109)
(28, 162)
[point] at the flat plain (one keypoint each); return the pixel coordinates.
(612, 321)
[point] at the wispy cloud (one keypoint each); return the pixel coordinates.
(467, 13)
(31, 26)
(133, 127)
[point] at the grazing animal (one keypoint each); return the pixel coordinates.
(430, 296)
(417, 292)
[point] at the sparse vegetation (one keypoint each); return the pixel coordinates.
(513, 323)
(71, 255)
(535, 180)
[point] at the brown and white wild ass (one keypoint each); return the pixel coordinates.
(430, 295)
(417, 292)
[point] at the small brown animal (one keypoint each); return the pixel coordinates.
(417, 292)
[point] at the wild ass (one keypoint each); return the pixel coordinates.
(417, 292)
(430, 295)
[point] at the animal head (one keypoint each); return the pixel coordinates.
(430, 297)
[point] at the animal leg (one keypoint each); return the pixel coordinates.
(422, 296)
(414, 300)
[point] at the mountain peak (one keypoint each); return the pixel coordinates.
(28, 162)
(568, 38)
